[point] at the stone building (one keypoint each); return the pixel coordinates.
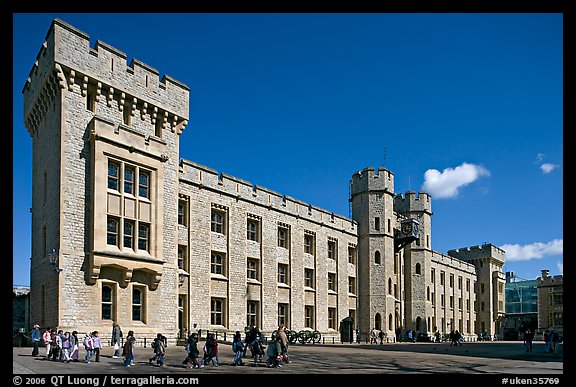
(550, 302)
(158, 243)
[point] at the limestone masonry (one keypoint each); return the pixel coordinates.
(159, 243)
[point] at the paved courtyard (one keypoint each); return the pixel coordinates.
(394, 358)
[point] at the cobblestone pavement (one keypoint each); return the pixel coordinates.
(397, 358)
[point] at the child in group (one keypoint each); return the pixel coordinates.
(238, 349)
(192, 360)
(159, 347)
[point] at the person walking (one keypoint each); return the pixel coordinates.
(128, 349)
(192, 360)
(116, 339)
(74, 343)
(36, 336)
(47, 338)
(381, 336)
(283, 342)
(97, 345)
(548, 345)
(528, 338)
(373, 339)
(88, 343)
(158, 345)
(238, 349)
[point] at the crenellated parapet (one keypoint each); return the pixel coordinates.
(369, 179)
(484, 251)
(412, 202)
(66, 61)
(207, 178)
(547, 280)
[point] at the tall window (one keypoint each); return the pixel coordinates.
(144, 184)
(252, 271)
(332, 318)
(112, 231)
(217, 311)
(352, 255)
(283, 273)
(377, 223)
(432, 276)
(331, 249)
(459, 282)
(129, 174)
(107, 302)
(308, 244)
(252, 313)
(252, 230)
(352, 285)
(137, 304)
(309, 316)
(183, 257)
(442, 278)
(127, 231)
(182, 212)
(451, 280)
(332, 281)
(418, 268)
(143, 236)
(113, 175)
(377, 259)
(129, 234)
(217, 221)
(217, 263)
(283, 314)
(282, 237)
(309, 278)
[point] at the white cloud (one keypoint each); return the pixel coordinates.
(548, 167)
(560, 267)
(446, 184)
(515, 252)
(540, 157)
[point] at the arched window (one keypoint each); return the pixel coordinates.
(389, 285)
(418, 323)
(378, 321)
(377, 257)
(418, 268)
(106, 302)
(390, 321)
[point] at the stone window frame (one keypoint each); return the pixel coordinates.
(309, 278)
(332, 317)
(283, 278)
(139, 304)
(214, 264)
(112, 302)
(309, 320)
(218, 226)
(218, 311)
(352, 289)
(253, 223)
(116, 184)
(283, 316)
(332, 248)
(332, 282)
(253, 268)
(252, 313)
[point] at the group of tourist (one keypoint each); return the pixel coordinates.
(65, 347)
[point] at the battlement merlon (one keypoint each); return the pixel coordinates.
(207, 178)
(372, 180)
(547, 280)
(486, 250)
(412, 202)
(69, 49)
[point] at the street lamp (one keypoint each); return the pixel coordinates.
(53, 257)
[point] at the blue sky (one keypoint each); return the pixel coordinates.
(466, 107)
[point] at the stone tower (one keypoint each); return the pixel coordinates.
(416, 256)
(105, 186)
(379, 272)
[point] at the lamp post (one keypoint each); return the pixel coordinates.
(53, 257)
